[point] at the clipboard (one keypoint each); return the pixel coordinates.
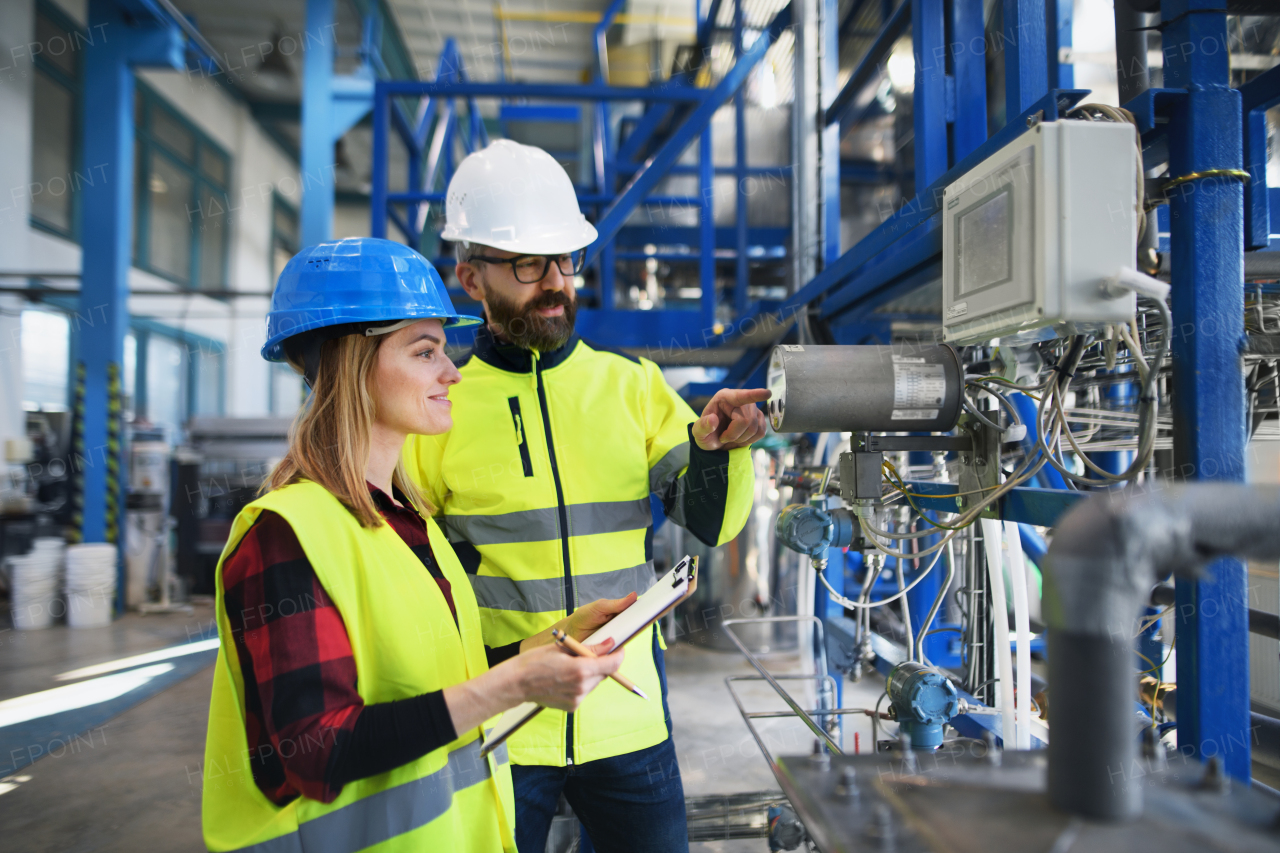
(622, 628)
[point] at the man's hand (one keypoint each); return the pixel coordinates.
(731, 419)
(584, 621)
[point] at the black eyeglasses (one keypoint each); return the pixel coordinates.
(531, 269)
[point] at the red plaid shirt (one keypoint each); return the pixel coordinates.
(309, 732)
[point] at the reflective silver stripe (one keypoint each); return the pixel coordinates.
(386, 814)
(531, 596)
(609, 517)
(542, 525)
(668, 468)
(526, 525)
(538, 596)
(614, 584)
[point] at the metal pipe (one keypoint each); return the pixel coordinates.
(773, 682)
(918, 654)
(1132, 74)
(1107, 553)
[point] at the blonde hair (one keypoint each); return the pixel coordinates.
(329, 439)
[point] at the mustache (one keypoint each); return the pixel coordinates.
(548, 299)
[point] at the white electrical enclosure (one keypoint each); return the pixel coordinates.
(1030, 236)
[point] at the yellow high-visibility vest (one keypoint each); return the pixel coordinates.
(405, 643)
(543, 488)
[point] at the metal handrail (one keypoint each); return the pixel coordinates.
(822, 676)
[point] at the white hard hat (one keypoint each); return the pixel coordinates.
(516, 198)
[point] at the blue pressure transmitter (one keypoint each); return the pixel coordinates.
(924, 700)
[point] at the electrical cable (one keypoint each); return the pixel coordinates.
(819, 565)
(875, 728)
(1148, 413)
(937, 604)
(906, 609)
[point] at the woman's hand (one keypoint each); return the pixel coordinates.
(551, 677)
(582, 623)
(586, 620)
(546, 675)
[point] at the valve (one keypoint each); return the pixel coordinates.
(811, 530)
(924, 700)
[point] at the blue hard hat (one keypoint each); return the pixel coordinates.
(358, 280)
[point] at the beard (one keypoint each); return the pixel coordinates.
(523, 326)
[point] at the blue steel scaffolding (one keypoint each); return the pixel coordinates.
(1203, 128)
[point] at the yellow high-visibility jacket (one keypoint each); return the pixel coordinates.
(405, 643)
(542, 487)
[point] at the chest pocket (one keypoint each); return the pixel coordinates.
(522, 441)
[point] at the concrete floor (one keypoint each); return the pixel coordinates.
(133, 782)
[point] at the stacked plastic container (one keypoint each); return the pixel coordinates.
(91, 584)
(34, 581)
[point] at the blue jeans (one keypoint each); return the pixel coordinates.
(631, 803)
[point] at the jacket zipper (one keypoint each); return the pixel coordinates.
(563, 514)
(522, 440)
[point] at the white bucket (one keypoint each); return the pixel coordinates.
(91, 584)
(33, 585)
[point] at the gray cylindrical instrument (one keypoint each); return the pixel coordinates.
(864, 388)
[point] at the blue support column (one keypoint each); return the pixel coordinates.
(1026, 66)
(1120, 397)
(317, 124)
(107, 223)
(930, 115)
(741, 271)
(707, 229)
(969, 71)
(829, 144)
(1208, 392)
(1259, 95)
(378, 177)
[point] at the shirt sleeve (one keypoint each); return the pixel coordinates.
(707, 492)
(309, 731)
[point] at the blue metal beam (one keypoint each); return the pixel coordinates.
(560, 91)
(706, 25)
(741, 268)
(828, 137)
(1026, 59)
(930, 115)
(107, 142)
(1206, 240)
(638, 139)
(317, 125)
(862, 75)
(657, 166)
(969, 72)
(1257, 96)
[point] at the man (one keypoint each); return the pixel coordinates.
(543, 486)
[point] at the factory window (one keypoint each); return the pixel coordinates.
(284, 235)
(286, 391)
(181, 203)
(178, 375)
(45, 360)
(55, 105)
(167, 383)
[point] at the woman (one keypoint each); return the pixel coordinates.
(351, 687)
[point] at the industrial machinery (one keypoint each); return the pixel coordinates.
(1092, 789)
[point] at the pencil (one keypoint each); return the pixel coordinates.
(573, 647)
